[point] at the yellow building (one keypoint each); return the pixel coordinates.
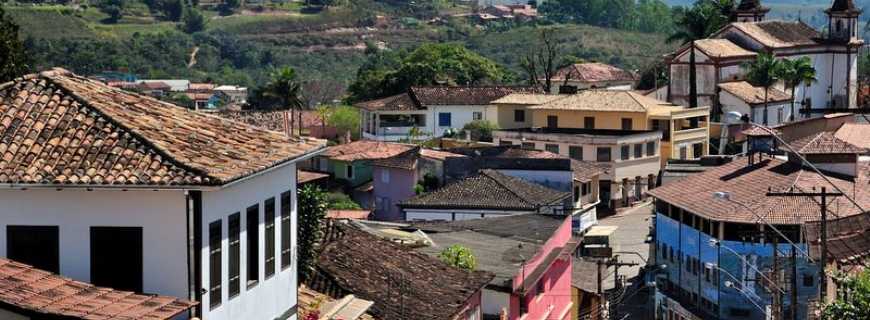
(682, 138)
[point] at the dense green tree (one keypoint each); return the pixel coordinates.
(430, 64)
(763, 72)
(345, 119)
(312, 205)
(641, 15)
(459, 256)
(228, 7)
(192, 21)
(853, 298)
(794, 73)
(480, 130)
(284, 86)
(14, 61)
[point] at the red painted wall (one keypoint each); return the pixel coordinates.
(555, 298)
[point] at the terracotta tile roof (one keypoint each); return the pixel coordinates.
(604, 100)
(824, 143)
(408, 160)
(200, 87)
(310, 299)
(399, 102)
(48, 294)
(758, 131)
(59, 128)
(593, 72)
(460, 96)
(749, 184)
(155, 85)
(857, 134)
(272, 120)
(528, 98)
(438, 154)
(348, 214)
(303, 176)
(584, 171)
(489, 189)
(370, 268)
(779, 34)
(721, 48)
(753, 95)
(365, 150)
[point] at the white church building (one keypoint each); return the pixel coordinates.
(127, 192)
(719, 60)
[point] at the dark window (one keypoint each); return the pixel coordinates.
(625, 152)
(808, 280)
(698, 150)
(552, 122)
(589, 122)
(603, 154)
(286, 231)
(575, 152)
(234, 227)
(37, 246)
(739, 312)
(638, 151)
(253, 232)
(565, 89)
(349, 170)
(505, 143)
(269, 255)
(528, 146)
(519, 115)
(576, 193)
(626, 123)
(444, 119)
(554, 148)
(214, 263)
(650, 148)
(116, 258)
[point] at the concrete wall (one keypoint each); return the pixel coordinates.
(273, 296)
(555, 299)
(505, 117)
(362, 171)
(455, 214)
(603, 120)
(730, 103)
(392, 186)
(686, 241)
(162, 215)
(460, 116)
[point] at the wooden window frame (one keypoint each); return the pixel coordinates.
(234, 230)
(269, 222)
(215, 253)
(286, 230)
(252, 232)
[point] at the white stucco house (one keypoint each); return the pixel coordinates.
(432, 110)
(833, 53)
(124, 191)
(746, 99)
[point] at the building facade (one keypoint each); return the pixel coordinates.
(161, 211)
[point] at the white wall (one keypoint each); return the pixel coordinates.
(494, 301)
(731, 103)
(270, 297)
(461, 115)
(161, 214)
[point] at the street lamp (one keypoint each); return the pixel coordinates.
(726, 196)
(717, 243)
(732, 285)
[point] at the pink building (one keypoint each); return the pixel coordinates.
(531, 256)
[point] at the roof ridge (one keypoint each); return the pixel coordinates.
(50, 77)
(498, 179)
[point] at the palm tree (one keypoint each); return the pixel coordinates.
(699, 22)
(795, 73)
(285, 87)
(763, 72)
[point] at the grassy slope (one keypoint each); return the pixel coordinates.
(310, 43)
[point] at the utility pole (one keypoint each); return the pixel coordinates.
(777, 295)
(613, 311)
(600, 294)
(823, 281)
(794, 292)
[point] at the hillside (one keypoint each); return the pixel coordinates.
(325, 46)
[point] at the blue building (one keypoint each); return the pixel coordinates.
(714, 243)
